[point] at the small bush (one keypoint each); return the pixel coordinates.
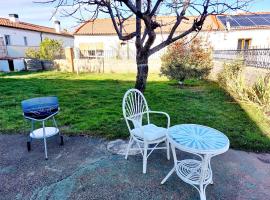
(49, 49)
(32, 53)
(183, 61)
(230, 72)
(231, 79)
(259, 93)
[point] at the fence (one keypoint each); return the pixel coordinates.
(122, 54)
(259, 58)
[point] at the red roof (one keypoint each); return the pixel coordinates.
(32, 27)
(105, 27)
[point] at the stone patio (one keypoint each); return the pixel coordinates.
(84, 169)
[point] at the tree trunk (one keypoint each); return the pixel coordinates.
(142, 73)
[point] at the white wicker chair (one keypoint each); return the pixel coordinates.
(134, 108)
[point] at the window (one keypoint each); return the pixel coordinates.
(91, 50)
(7, 39)
(243, 44)
(25, 41)
(91, 53)
(99, 52)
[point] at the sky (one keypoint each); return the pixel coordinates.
(41, 14)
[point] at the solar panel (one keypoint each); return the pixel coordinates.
(246, 20)
(260, 21)
(225, 19)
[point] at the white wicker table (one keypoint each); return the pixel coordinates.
(205, 142)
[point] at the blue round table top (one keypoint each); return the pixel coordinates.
(199, 139)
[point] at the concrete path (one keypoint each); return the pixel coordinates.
(84, 169)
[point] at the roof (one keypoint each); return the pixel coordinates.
(213, 22)
(105, 27)
(245, 21)
(32, 27)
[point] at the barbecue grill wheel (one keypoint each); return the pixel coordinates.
(29, 146)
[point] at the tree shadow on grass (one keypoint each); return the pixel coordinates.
(94, 107)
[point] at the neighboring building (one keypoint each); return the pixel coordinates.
(99, 36)
(240, 31)
(16, 36)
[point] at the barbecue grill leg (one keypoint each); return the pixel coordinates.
(30, 139)
(60, 136)
(45, 143)
(61, 140)
(28, 145)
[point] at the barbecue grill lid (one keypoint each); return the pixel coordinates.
(40, 107)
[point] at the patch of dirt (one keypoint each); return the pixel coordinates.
(263, 158)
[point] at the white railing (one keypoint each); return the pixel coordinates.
(115, 54)
(251, 57)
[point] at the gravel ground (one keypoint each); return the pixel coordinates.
(84, 169)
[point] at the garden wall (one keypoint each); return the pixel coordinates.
(106, 65)
(251, 74)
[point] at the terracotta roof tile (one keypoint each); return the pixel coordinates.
(105, 27)
(27, 26)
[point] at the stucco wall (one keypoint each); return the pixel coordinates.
(217, 39)
(18, 64)
(229, 40)
(112, 43)
(4, 67)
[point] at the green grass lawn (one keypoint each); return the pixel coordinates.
(91, 104)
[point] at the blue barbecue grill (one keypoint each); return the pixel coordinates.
(39, 110)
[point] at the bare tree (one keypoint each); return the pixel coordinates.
(146, 14)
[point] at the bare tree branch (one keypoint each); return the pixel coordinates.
(119, 33)
(145, 15)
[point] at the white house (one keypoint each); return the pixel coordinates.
(17, 36)
(240, 31)
(94, 37)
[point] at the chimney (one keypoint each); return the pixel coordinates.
(14, 17)
(57, 26)
(228, 25)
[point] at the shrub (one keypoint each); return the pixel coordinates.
(232, 79)
(259, 93)
(32, 53)
(183, 61)
(230, 72)
(49, 49)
